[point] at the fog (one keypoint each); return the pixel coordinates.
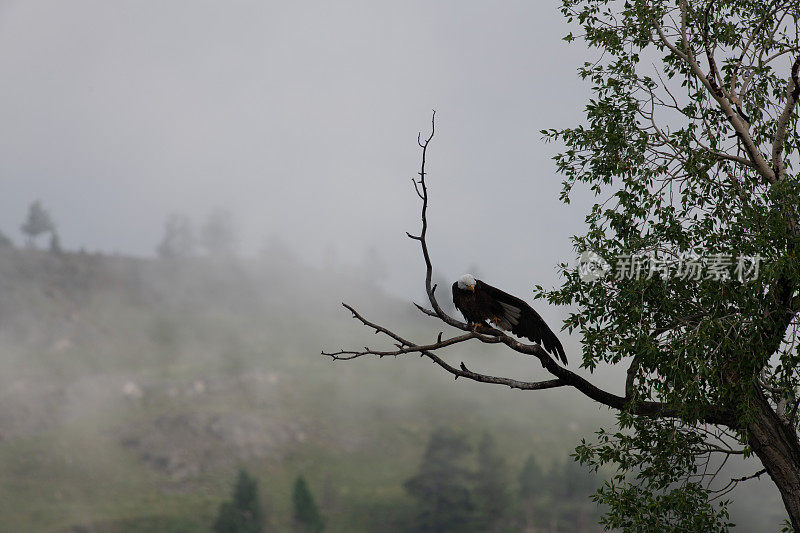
(300, 120)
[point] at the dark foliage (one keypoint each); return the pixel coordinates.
(37, 222)
(244, 514)
(442, 488)
(307, 516)
(492, 498)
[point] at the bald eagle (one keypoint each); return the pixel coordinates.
(479, 301)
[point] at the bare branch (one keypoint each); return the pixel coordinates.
(463, 371)
(792, 93)
(425, 310)
(403, 345)
(423, 234)
(751, 38)
(739, 125)
(486, 334)
(734, 482)
(714, 78)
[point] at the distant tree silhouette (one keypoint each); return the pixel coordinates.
(560, 498)
(37, 222)
(217, 235)
(491, 496)
(531, 487)
(179, 240)
(442, 486)
(55, 243)
(577, 482)
(374, 266)
(244, 513)
(572, 486)
(307, 517)
(530, 478)
(275, 250)
(5, 241)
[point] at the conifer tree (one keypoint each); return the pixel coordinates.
(218, 236)
(179, 240)
(5, 241)
(442, 486)
(244, 513)
(307, 516)
(531, 481)
(37, 222)
(55, 243)
(491, 496)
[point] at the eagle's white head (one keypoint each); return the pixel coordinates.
(466, 282)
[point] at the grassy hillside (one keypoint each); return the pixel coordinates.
(132, 391)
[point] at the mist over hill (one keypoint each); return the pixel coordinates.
(133, 389)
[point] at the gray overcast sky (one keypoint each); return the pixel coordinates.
(301, 119)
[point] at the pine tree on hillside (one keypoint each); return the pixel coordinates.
(179, 240)
(307, 517)
(530, 478)
(572, 486)
(218, 236)
(244, 513)
(5, 241)
(491, 496)
(531, 487)
(37, 222)
(55, 243)
(442, 486)
(578, 482)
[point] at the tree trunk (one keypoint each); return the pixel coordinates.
(777, 445)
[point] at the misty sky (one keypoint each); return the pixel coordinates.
(301, 119)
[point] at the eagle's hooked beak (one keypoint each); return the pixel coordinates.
(472, 288)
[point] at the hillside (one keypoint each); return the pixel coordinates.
(133, 389)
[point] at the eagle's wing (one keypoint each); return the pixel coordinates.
(457, 297)
(522, 320)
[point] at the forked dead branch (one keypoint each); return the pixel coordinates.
(562, 377)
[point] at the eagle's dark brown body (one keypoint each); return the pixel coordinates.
(482, 302)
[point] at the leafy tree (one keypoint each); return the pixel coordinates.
(491, 496)
(696, 156)
(244, 513)
(179, 240)
(37, 222)
(217, 235)
(690, 145)
(306, 513)
(442, 485)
